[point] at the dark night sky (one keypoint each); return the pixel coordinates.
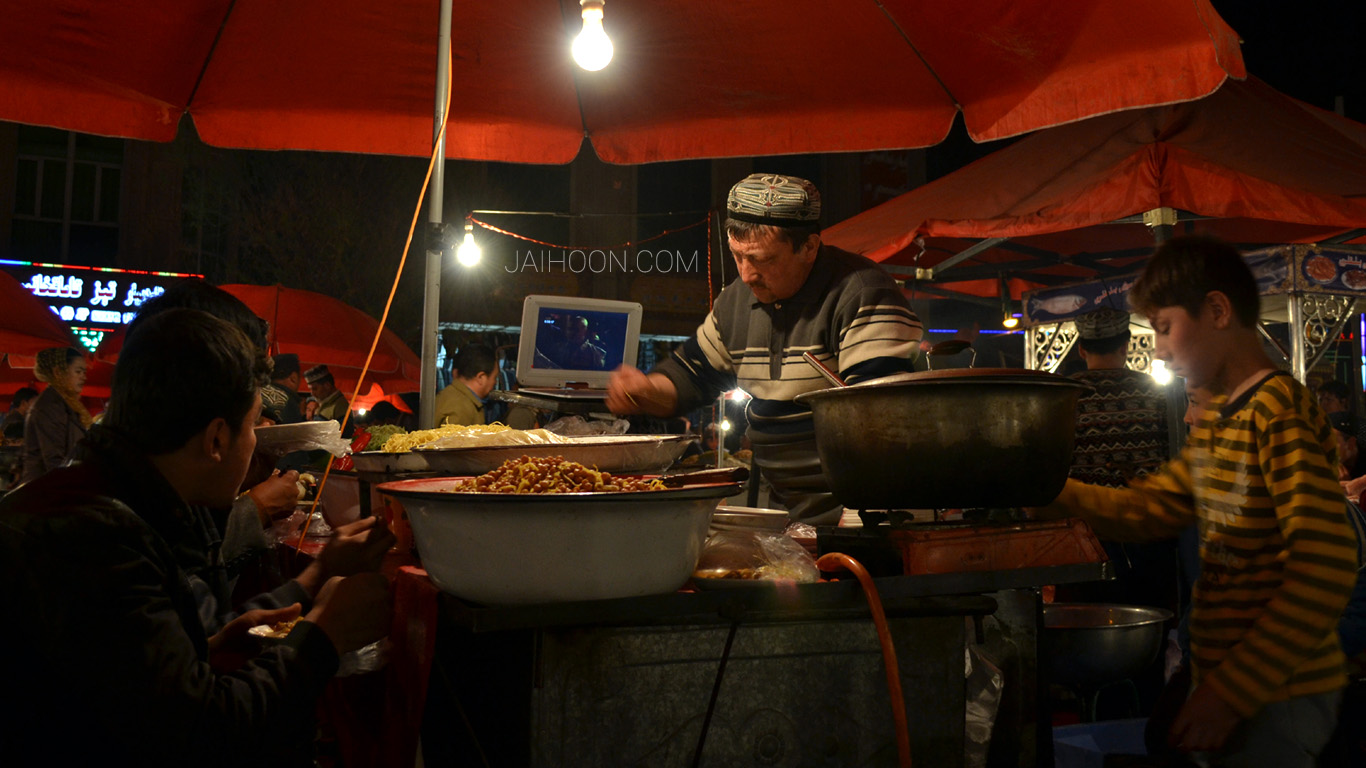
(1311, 50)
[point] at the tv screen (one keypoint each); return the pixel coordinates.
(579, 339)
(568, 340)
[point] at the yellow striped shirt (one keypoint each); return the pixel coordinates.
(1277, 554)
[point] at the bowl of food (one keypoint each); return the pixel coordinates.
(623, 454)
(571, 533)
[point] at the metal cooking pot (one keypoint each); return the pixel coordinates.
(1090, 645)
(955, 438)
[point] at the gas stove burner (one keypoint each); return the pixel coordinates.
(951, 546)
(905, 519)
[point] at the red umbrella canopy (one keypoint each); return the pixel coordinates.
(27, 325)
(376, 395)
(691, 78)
(321, 329)
(1256, 166)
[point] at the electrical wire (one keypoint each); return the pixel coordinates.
(384, 317)
(470, 218)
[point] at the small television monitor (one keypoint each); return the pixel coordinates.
(569, 341)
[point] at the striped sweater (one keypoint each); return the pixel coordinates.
(1277, 554)
(849, 313)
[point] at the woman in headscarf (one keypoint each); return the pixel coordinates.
(58, 419)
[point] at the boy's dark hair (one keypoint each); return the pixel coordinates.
(474, 359)
(180, 371)
(197, 294)
(1337, 389)
(21, 396)
(1106, 345)
(1183, 271)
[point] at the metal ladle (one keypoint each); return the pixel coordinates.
(823, 370)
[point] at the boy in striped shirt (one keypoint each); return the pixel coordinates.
(1259, 478)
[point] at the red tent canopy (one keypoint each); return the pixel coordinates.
(691, 78)
(27, 325)
(1263, 167)
(320, 330)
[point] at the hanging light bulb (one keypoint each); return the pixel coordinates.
(469, 253)
(1010, 320)
(724, 426)
(1158, 370)
(592, 48)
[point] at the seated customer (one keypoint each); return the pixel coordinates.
(18, 409)
(476, 374)
(104, 646)
(58, 420)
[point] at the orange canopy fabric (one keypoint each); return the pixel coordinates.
(1265, 168)
(690, 79)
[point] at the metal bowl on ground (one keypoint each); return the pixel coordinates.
(618, 454)
(518, 549)
(955, 438)
(1090, 645)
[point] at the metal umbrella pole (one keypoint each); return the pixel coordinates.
(431, 296)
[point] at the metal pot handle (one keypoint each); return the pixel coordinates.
(950, 347)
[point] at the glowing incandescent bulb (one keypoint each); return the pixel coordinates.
(469, 253)
(592, 48)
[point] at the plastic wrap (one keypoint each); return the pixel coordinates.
(578, 426)
(984, 683)
(304, 436)
(755, 556)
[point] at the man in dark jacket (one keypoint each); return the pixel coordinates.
(104, 648)
(280, 400)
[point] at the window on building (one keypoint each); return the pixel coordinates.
(66, 201)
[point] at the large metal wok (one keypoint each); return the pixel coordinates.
(955, 438)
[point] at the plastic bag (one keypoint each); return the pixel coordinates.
(756, 556)
(984, 682)
(304, 436)
(577, 426)
(367, 658)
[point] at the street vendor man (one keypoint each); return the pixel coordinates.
(794, 295)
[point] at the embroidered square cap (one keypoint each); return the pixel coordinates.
(316, 374)
(1103, 323)
(770, 198)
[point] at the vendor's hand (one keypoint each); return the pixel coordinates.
(1354, 487)
(353, 612)
(1204, 722)
(358, 547)
(277, 494)
(233, 642)
(630, 391)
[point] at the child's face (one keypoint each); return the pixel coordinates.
(1185, 344)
